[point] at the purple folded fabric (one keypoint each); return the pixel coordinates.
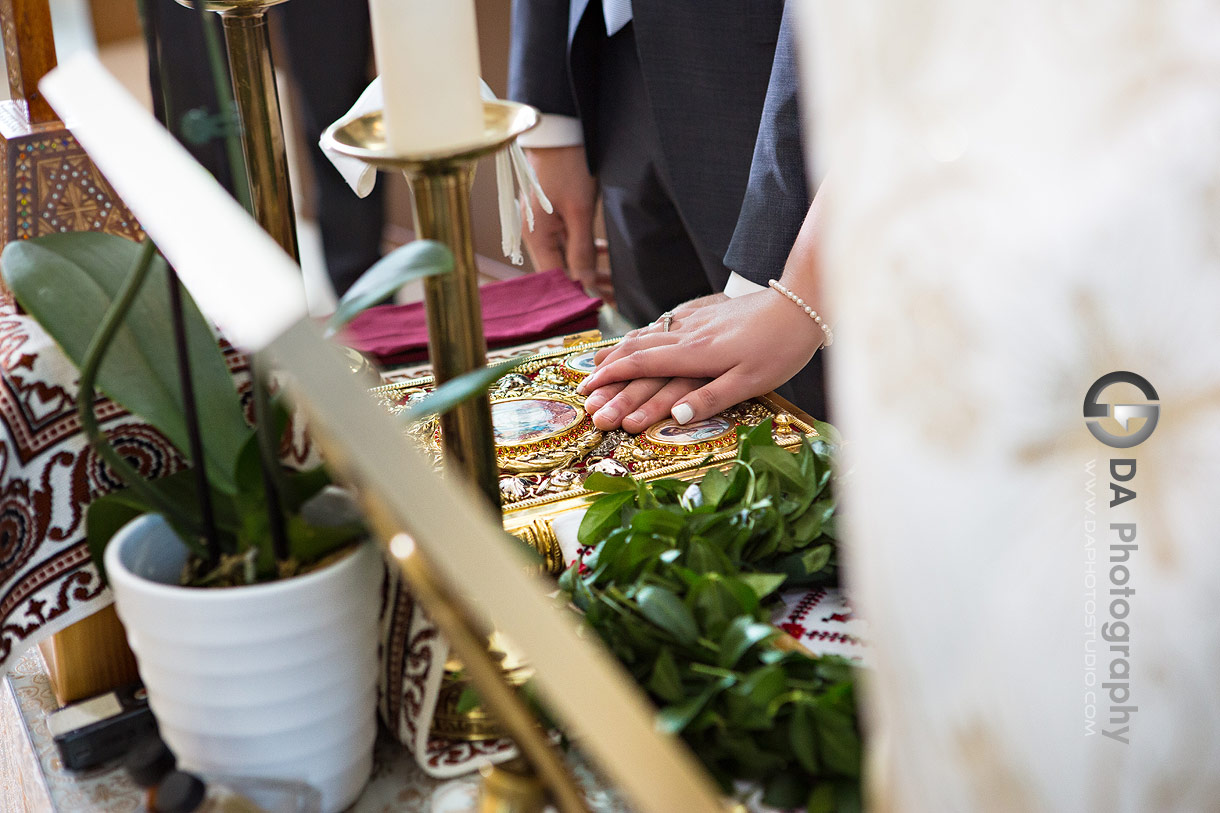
(517, 310)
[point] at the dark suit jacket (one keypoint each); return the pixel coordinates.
(777, 195)
(706, 67)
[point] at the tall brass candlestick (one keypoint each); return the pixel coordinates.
(248, 46)
(441, 186)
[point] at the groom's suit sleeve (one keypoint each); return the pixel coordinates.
(538, 71)
(777, 195)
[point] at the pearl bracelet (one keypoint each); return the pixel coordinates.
(809, 311)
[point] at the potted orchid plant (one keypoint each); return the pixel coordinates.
(273, 670)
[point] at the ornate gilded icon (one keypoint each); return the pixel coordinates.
(546, 444)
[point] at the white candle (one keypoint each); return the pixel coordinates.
(428, 57)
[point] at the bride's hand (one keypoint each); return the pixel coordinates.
(743, 346)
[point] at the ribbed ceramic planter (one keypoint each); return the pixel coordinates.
(275, 680)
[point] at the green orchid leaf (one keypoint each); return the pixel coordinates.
(67, 281)
(110, 512)
(311, 543)
(416, 260)
(456, 391)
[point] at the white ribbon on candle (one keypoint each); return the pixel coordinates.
(513, 173)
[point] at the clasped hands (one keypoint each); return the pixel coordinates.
(717, 352)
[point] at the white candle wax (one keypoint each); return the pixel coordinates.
(428, 57)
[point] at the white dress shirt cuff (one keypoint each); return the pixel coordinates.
(739, 285)
(553, 131)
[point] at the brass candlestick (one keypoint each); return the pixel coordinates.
(248, 47)
(441, 182)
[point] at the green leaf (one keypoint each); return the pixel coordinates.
(310, 543)
(597, 481)
(782, 462)
(822, 800)
(715, 605)
(838, 739)
(752, 438)
(809, 526)
(827, 433)
(659, 522)
(666, 682)
(666, 610)
(416, 260)
(674, 718)
(803, 737)
(742, 633)
(604, 515)
(110, 512)
(67, 281)
(714, 485)
(785, 791)
(817, 558)
(456, 390)
(763, 584)
(764, 685)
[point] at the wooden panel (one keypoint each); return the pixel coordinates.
(29, 53)
(49, 184)
(89, 657)
(115, 20)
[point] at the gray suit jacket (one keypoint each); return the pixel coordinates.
(706, 66)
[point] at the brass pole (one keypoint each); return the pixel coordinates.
(248, 42)
(455, 318)
(470, 645)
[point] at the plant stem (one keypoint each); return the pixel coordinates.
(218, 67)
(111, 322)
(190, 412)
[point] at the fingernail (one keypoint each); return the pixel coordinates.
(594, 402)
(608, 414)
(682, 413)
(638, 417)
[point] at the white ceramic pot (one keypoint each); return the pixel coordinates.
(275, 680)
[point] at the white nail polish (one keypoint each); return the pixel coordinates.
(683, 413)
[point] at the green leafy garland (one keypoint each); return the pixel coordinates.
(677, 587)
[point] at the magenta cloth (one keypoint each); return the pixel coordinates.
(517, 310)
